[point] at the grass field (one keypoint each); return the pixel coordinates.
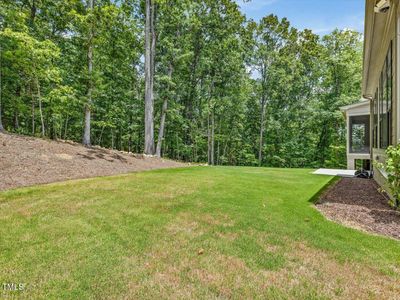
(198, 232)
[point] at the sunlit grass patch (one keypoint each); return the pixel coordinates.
(197, 232)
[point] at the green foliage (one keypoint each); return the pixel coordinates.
(217, 70)
(392, 168)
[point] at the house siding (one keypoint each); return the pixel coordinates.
(389, 26)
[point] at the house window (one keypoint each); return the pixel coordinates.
(375, 129)
(385, 101)
(359, 134)
(389, 81)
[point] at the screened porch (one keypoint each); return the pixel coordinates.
(358, 138)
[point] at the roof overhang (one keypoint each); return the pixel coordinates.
(363, 102)
(376, 41)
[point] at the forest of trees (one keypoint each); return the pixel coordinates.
(225, 89)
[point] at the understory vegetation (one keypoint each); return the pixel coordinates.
(195, 232)
(392, 167)
(230, 90)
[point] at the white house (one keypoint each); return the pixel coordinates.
(381, 80)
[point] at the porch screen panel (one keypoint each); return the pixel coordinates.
(359, 134)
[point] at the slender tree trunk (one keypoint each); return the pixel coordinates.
(112, 138)
(163, 116)
(130, 133)
(1, 122)
(40, 107)
(162, 127)
(139, 141)
(16, 118)
(120, 139)
(177, 147)
(218, 143)
(86, 132)
(149, 73)
(208, 137)
(210, 155)
(262, 121)
(33, 110)
(50, 123)
(99, 140)
(66, 127)
(212, 136)
(135, 96)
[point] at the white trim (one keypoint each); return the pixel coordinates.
(359, 114)
(358, 155)
(355, 105)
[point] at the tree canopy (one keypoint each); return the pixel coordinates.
(227, 90)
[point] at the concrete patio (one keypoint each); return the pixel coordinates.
(335, 172)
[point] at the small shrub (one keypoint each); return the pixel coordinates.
(392, 167)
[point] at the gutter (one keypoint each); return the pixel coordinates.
(366, 65)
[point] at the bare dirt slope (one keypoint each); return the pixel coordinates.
(28, 161)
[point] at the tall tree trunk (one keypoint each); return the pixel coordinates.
(1, 122)
(40, 107)
(262, 121)
(86, 132)
(149, 73)
(153, 43)
(163, 116)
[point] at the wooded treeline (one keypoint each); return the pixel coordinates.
(227, 90)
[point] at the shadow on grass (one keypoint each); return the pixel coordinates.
(315, 199)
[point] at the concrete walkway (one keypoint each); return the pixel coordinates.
(335, 172)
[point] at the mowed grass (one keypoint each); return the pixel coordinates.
(198, 232)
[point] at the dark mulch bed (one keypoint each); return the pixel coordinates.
(357, 203)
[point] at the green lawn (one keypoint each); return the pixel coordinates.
(198, 232)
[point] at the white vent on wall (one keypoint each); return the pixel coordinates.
(382, 6)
